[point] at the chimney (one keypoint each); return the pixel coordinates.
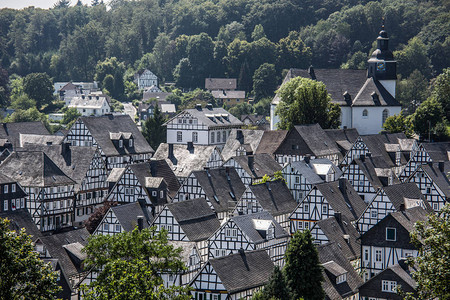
(307, 158)
(171, 151)
(140, 222)
(441, 166)
(402, 207)
(240, 135)
(190, 146)
(368, 154)
(362, 157)
(311, 72)
(338, 216)
(347, 97)
(198, 106)
(251, 161)
(209, 106)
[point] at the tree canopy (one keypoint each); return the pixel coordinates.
(153, 129)
(39, 87)
(129, 266)
(23, 274)
(306, 101)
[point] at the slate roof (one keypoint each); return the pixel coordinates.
(249, 137)
(88, 102)
(185, 161)
(195, 217)
(335, 230)
(12, 131)
(243, 271)
(332, 257)
(366, 96)
(54, 244)
(160, 168)
(254, 119)
(343, 198)
(409, 217)
(160, 96)
(34, 168)
(100, 127)
(337, 82)
(438, 151)
(307, 171)
(127, 215)
(223, 94)
(270, 141)
(68, 86)
(344, 138)
(245, 223)
(376, 145)
(212, 117)
(439, 177)
(21, 218)
(368, 169)
(39, 139)
(274, 197)
(220, 83)
(398, 194)
(220, 186)
(258, 165)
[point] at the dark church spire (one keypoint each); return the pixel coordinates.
(382, 65)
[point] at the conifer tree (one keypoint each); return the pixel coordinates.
(153, 129)
(276, 288)
(302, 271)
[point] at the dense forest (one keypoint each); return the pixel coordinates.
(187, 40)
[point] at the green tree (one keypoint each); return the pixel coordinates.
(4, 88)
(29, 115)
(23, 102)
(129, 264)
(39, 87)
(303, 271)
(432, 238)
(264, 81)
(413, 56)
(398, 123)
(258, 33)
(427, 116)
(276, 287)
(306, 101)
(412, 91)
(241, 109)
(441, 91)
(293, 53)
(153, 129)
(23, 274)
(70, 116)
(183, 74)
(358, 61)
(114, 68)
(263, 106)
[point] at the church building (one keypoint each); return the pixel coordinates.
(366, 98)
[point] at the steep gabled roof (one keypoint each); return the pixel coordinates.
(12, 131)
(409, 217)
(438, 151)
(101, 127)
(34, 168)
(160, 168)
(220, 83)
(270, 141)
(258, 165)
(376, 143)
(195, 217)
(373, 93)
(39, 139)
(222, 186)
(317, 140)
(344, 138)
(438, 176)
(343, 198)
(244, 270)
(274, 197)
(127, 215)
(399, 194)
(246, 224)
(241, 137)
(307, 171)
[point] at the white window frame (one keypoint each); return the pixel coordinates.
(395, 234)
(389, 286)
(13, 188)
(5, 205)
(130, 143)
(5, 189)
(120, 143)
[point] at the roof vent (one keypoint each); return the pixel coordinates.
(198, 106)
(209, 106)
(347, 97)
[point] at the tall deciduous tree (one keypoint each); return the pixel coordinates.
(129, 266)
(306, 101)
(153, 129)
(302, 271)
(427, 116)
(264, 81)
(38, 86)
(23, 274)
(441, 91)
(433, 262)
(4, 87)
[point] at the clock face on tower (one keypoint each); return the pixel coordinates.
(381, 66)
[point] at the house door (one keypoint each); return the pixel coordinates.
(378, 258)
(58, 222)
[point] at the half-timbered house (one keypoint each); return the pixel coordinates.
(306, 140)
(424, 153)
(136, 183)
(189, 221)
(12, 195)
(50, 191)
(324, 201)
(10, 133)
(389, 240)
(252, 168)
(368, 179)
(184, 159)
(339, 230)
(221, 188)
(341, 281)
(343, 138)
(201, 126)
(432, 180)
(385, 284)
(301, 175)
(250, 232)
(390, 199)
(116, 136)
(241, 142)
(271, 196)
(233, 277)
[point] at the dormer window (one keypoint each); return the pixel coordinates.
(120, 143)
(270, 233)
(341, 278)
(130, 143)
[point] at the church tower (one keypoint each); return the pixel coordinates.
(382, 66)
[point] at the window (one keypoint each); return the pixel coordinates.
(13, 188)
(306, 207)
(161, 194)
(389, 286)
(130, 143)
(366, 254)
(5, 205)
(179, 136)
(218, 136)
(5, 189)
(306, 225)
(117, 228)
(300, 225)
(373, 213)
(428, 191)
(120, 143)
(384, 116)
(217, 252)
(365, 114)
(341, 278)
(229, 232)
(180, 121)
(212, 137)
(391, 234)
(435, 206)
(106, 227)
(377, 255)
(224, 136)
(195, 137)
(297, 179)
